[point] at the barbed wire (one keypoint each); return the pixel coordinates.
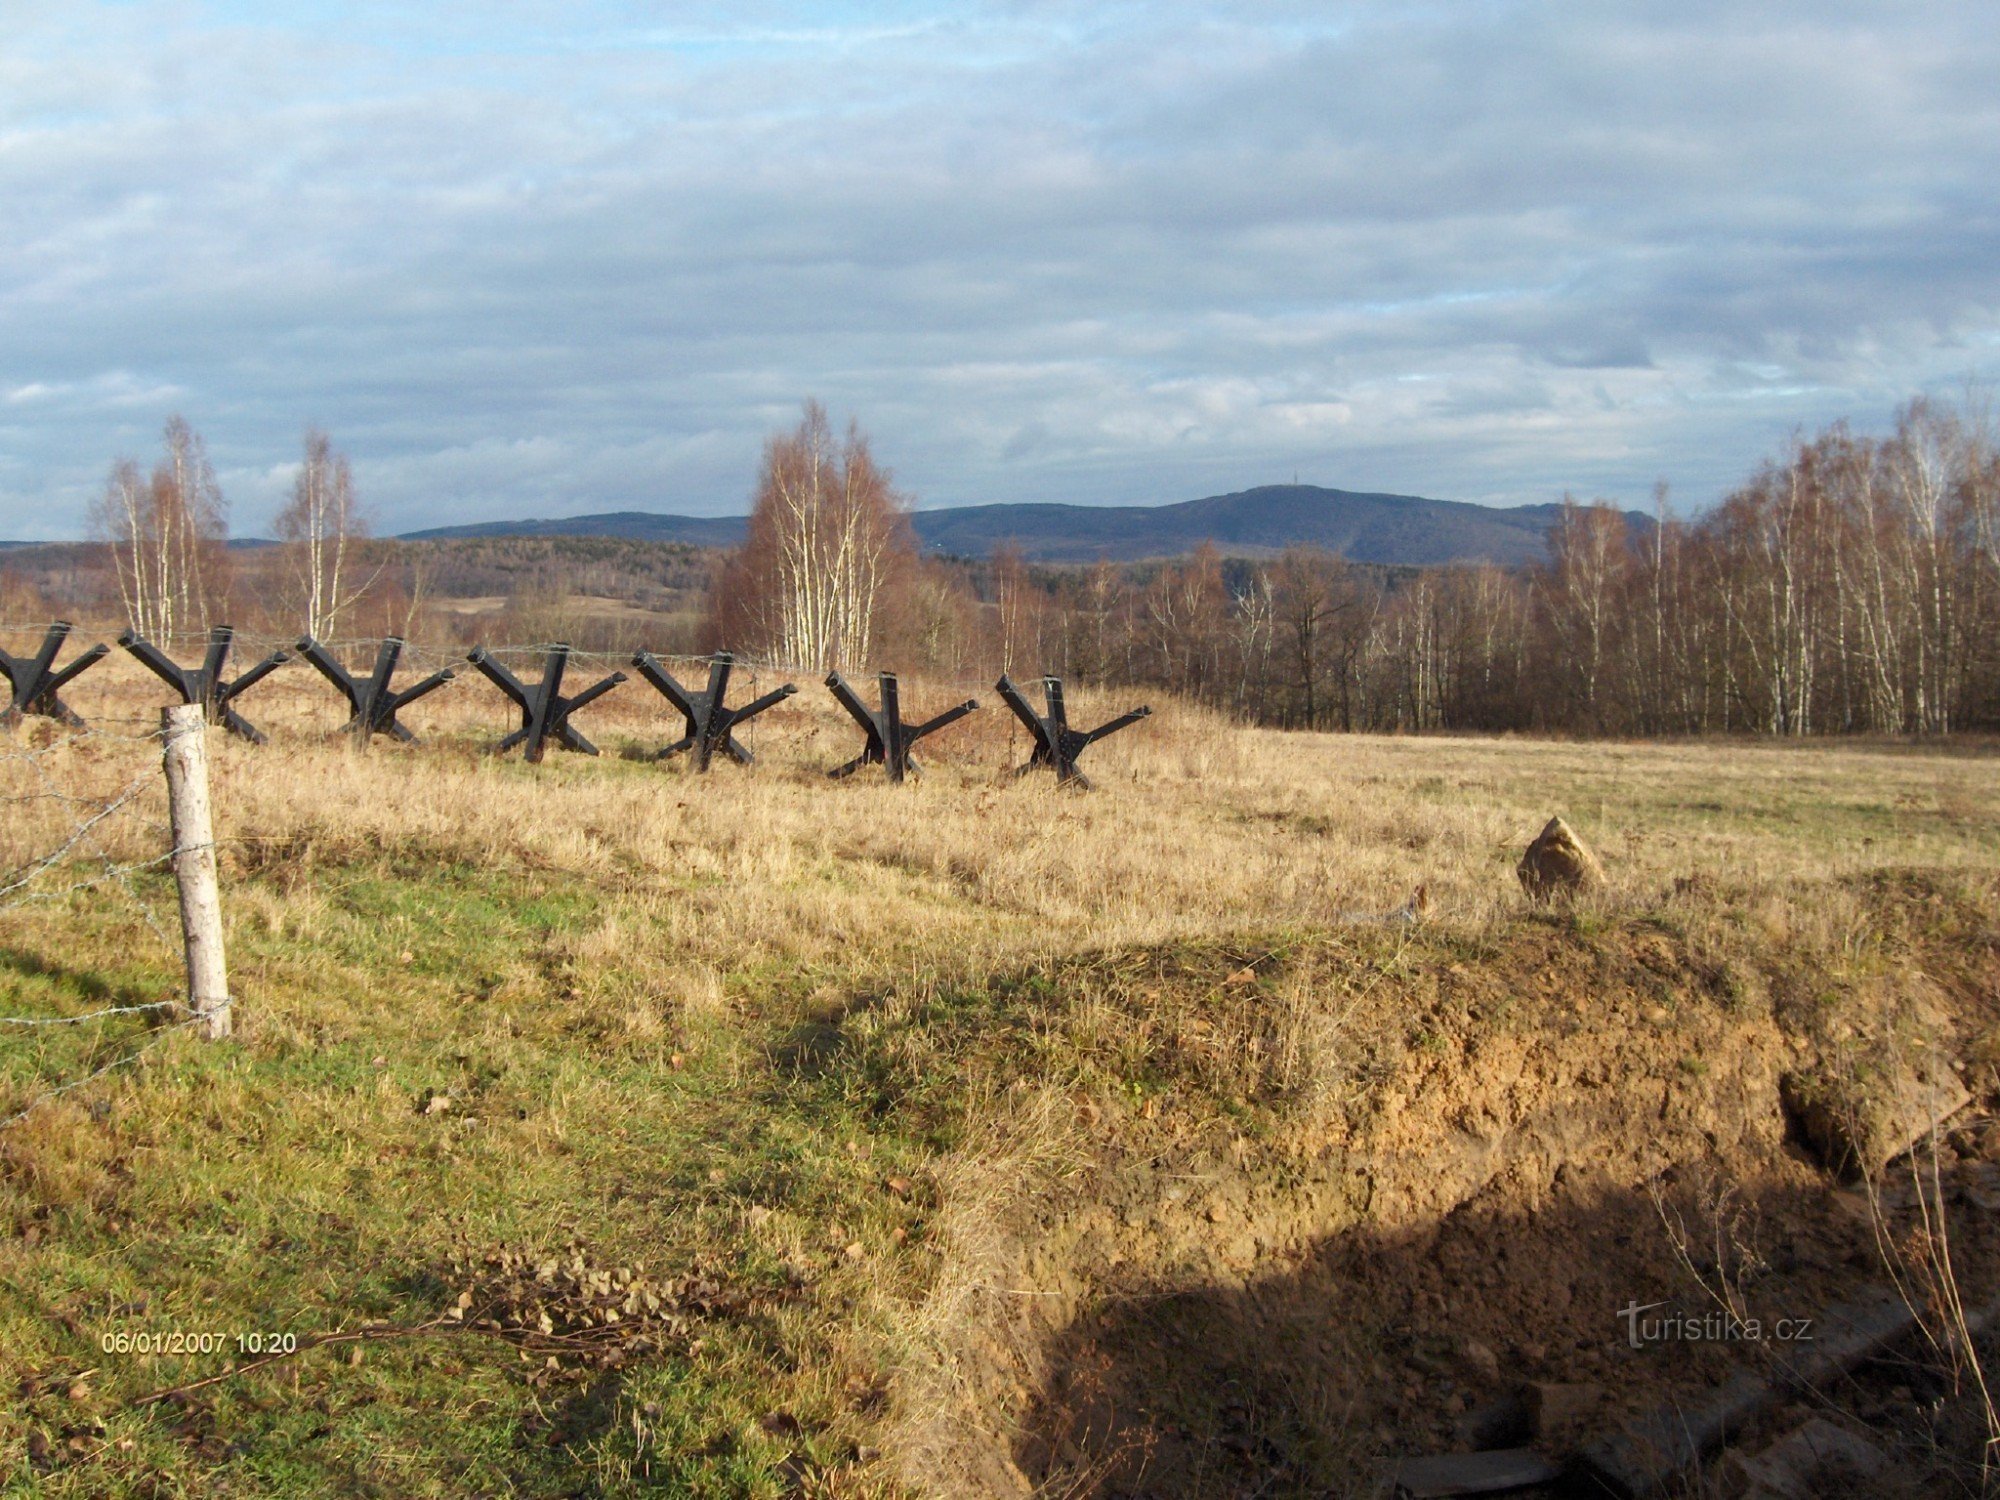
(79, 835)
(37, 772)
(133, 1056)
(44, 775)
(419, 652)
(93, 1015)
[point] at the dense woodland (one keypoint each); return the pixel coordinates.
(1852, 585)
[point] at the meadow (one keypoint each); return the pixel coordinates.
(598, 1128)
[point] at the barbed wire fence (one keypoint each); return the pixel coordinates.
(83, 817)
(79, 809)
(418, 653)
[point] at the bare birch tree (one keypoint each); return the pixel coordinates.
(164, 536)
(828, 537)
(319, 528)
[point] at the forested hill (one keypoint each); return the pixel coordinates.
(1373, 528)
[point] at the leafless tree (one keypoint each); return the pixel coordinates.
(319, 528)
(164, 535)
(828, 536)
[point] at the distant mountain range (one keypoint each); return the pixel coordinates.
(1370, 528)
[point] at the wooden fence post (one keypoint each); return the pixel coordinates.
(185, 730)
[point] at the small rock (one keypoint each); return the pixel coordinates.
(1479, 1359)
(1982, 1192)
(1557, 864)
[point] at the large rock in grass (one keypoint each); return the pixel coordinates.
(1557, 864)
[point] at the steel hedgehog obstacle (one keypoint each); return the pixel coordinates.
(711, 722)
(36, 681)
(544, 711)
(889, 738)
(204, 685)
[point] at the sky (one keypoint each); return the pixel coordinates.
(541, 260)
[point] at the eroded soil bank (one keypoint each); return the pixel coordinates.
(1362, 1191)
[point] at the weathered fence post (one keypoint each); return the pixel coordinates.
(184, 727)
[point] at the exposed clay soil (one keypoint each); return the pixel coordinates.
(1535, 1128)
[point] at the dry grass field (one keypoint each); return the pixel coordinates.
(755, 1134)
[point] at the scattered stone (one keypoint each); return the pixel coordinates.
(1557, 864)
(1816, 1459)
(1860, 1119)
(1491, 1473)
(780, 1424)
(1479, 1359)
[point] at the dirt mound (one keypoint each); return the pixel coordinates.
(1546, 1153)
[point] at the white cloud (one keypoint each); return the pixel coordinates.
(521, 260)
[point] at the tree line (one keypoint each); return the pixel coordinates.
(1851, 585)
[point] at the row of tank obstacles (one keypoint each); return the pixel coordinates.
(711, 723)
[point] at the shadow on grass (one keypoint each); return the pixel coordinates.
(85, 984)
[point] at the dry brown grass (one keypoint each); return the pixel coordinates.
(1199, 827)
(753, 899)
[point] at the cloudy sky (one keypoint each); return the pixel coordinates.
(525, 259)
